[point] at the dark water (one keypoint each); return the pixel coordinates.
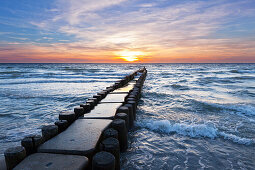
(191, 116)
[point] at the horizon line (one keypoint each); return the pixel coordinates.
(126, 63)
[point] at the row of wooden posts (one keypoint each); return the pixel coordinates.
(38, 151)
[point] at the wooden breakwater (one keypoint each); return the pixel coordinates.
(90, 137)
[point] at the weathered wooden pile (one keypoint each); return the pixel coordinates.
(90, 137)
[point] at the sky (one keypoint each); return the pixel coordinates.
(116, 31)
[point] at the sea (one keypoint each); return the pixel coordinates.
(190, 116)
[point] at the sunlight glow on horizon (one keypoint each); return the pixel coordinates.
(130, 56)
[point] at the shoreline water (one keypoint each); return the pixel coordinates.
(182, 94)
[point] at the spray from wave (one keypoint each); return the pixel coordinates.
(193, 130)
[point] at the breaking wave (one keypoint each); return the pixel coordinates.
(193, 130)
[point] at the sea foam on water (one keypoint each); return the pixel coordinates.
(193, 130)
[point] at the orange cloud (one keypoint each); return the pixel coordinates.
(76, 53)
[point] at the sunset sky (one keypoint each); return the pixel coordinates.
(158, 31)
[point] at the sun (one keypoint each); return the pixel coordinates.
(129, 56)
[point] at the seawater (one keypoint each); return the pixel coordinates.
(190, 116)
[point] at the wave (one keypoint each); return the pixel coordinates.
(14, 72)
(244, 78)
(82, 69)
(179, 87)
(60, 81)
(242, 71)
(232, 108)
(157, 95)
(243, 93)
(207, 130)
(236, 139)
(239, 109)
(234, 71)
(183, 81)
(207, 80)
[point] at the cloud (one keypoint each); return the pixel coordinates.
(157, 26)
(75, 11)
(164, 29)
(57, 52)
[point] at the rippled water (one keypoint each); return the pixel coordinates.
(32, 95)
(193, 116)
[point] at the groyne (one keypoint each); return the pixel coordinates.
(89, 137)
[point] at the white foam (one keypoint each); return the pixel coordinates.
(240, 109)
(236, 139)
(193, 130)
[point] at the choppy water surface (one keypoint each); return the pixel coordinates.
(191, 116)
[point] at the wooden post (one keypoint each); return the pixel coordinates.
(120, 126)
(112, 145)
(103, 161)
(13, 156)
